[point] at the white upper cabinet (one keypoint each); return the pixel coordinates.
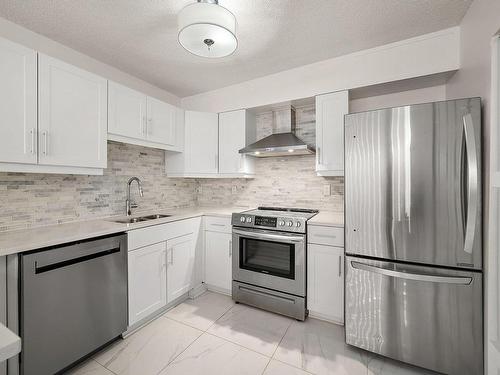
(142, 120)
(200, 157)
(127, 112)
(236, 130)
(330, 111)
(161, 125)
(72, 115)
(18, 97)
(180, 265)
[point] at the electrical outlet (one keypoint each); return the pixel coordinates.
(327, 190)
(199, 190)
(234, 189)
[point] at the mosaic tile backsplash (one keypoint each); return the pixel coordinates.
(28, 200)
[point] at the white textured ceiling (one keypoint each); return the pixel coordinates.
(140, 36)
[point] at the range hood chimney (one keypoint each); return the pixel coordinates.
(283, 141)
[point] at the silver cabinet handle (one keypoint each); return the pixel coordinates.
(45, 135)
(472, 179)
(32, 133)
(149, 122)
(217, 225)
(340, 265)
(412, 276)
(319, 155)
(230, 248)
(171, 256)
(325, 236)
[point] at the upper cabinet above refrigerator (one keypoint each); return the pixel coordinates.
(330, 111)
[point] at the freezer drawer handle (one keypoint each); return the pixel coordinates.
(269, 295)
(472, 182)
(413, 276)
(69, 262)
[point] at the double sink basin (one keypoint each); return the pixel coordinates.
(131, 220)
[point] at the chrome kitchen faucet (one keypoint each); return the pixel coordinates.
(129, 205)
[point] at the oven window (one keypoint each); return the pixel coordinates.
(273, 258)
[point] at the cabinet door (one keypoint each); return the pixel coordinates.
(218, 260)
(161, 123)
(18, 98)
(147, 281)
(330, 111)
(231, 140)
(325, 282)
(72, 115)
(201, 142)
(180, 258)
(127, 112)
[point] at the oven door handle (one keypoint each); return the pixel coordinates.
(269, 236)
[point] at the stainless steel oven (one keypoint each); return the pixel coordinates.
(269, 261)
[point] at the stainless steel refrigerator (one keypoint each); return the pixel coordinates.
(414, 289)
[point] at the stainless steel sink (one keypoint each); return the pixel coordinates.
(131, 220)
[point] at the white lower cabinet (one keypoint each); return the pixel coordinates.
(147, 274)
(218, 261)
(180, 265)
(163, 265)
(325, 282)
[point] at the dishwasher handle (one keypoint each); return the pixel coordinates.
(69, 262)
(48, 259)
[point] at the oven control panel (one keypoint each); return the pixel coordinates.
(265, 221)
(283, 224)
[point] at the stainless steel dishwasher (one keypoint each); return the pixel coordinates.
(73, 300)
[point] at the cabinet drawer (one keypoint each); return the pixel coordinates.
(218, 224)
(332, 236)
(162, 232)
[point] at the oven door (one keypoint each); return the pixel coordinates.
(269, 259)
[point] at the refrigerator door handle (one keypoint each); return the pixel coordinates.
(412, 276)
(472, 183)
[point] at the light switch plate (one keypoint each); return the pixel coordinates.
(327, 190)
(234, 189)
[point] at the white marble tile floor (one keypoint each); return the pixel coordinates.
(211, 335)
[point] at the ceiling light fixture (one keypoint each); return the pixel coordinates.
(206, 29)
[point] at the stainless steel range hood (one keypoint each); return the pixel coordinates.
(283, 141)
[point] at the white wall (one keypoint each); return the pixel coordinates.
(424, 55)
(481, 22)
(422, 95)
(21, 35)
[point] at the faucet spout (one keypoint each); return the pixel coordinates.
(128, 204)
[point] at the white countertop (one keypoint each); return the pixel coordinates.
(10, 343)
(328, 218)
(12, 242)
